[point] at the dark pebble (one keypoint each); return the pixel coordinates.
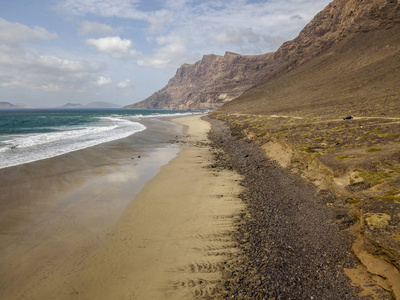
(285, 234)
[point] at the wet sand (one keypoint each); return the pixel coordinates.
(72, 228)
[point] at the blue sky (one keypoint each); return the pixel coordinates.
(122, 51)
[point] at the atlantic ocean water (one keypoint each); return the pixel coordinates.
(28, 135)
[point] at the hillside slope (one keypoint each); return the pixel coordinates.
(359, 75)
(346, 58)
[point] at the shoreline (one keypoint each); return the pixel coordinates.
(172, 240)
(56, 212)
(169, 241)
(38, 186)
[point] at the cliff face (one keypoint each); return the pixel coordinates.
(210, 82)
(339, 20)
(216, 80)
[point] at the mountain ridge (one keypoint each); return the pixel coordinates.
(216, 80)
(209, 83)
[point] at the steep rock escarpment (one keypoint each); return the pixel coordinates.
(210, 82)
(340, 19)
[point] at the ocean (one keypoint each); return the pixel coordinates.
(28, 135)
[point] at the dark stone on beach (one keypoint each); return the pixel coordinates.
(358, 186)
(327, 195)
(287, 235)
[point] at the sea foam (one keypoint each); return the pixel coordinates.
(20, 149)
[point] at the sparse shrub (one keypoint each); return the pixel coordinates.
(373, 150)
(303, 147)
(388, 198)
(388, 134)
(395, 168)
(353, 201)
(392, 192)
(374, 178)
(262, 134)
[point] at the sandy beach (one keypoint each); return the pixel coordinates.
(108, 232)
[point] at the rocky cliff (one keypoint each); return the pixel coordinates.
(339, 20)
(216, 80)
(210, 82)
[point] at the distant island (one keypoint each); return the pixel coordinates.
(91, 105)
(9, 105)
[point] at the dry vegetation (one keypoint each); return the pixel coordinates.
(369, 146)
(358, 160)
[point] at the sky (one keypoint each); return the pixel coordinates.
(122, 51)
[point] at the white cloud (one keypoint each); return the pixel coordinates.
(104, 8)
(158, 21)
(172, 52)
(241, 36)
(94, 28)
(230, 35)
(124, 84)
(115, 46)
(198, 27)
(21, 69)
(103, 80)
(245, 27)
(217, 26)
(12, 33)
